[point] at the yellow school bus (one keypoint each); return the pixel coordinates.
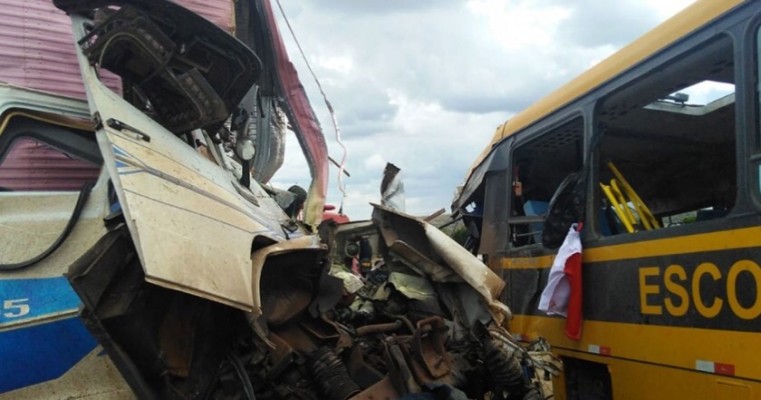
(657, 150)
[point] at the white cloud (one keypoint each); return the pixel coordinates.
(666, 9)
(519, 25)
(375, 162)
(424, 84)
(340, 64)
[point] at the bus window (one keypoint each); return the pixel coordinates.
(667, 147)
(539, 167)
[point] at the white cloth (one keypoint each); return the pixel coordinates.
(554, 300)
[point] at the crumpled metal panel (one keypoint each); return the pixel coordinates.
(192, 228)
(36, 50)
(308, 129)
(429, 242)
(220, 12)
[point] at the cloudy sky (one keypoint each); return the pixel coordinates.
(424, 83)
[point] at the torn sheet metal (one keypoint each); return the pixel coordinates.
(192, 226)
(470, 268)
(260, 258)
(310, 338)
(392, 188)
(411, 286)
(436, 245)
(304, 121)
(423, 265)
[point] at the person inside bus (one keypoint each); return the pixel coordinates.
(528, 200)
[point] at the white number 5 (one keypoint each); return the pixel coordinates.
(15, 308)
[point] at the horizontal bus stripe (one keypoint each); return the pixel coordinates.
(28, 301)
(669, 346)
(703, 242)
(714, 290)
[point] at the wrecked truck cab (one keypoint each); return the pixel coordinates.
(157, 198)
(192, 221)
(201, 259)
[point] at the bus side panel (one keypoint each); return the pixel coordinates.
(676, 361)
(634, 380)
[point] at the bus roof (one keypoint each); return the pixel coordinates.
(693, 17)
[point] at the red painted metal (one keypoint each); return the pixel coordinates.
(37, 46)
(307, 127)
(34, 166)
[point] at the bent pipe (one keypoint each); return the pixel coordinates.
(379, 328)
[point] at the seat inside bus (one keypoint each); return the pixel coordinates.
(672, 135)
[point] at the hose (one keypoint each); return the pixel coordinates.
(379, 328)
(331, 375)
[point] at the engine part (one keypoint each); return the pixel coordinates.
(379, 328)
(240, 371)
(331, 375)
(504, 371)
(428, 346)
(400, 371)
(361, 370)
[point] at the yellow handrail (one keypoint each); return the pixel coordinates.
(645, 215)
(618, 204)
(617, 193)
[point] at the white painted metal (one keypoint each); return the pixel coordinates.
(192, 228)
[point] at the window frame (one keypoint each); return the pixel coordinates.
(75, 142)
(635, 76)
(527, 137)
(751, 54)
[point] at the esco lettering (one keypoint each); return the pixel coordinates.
(685, 291)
